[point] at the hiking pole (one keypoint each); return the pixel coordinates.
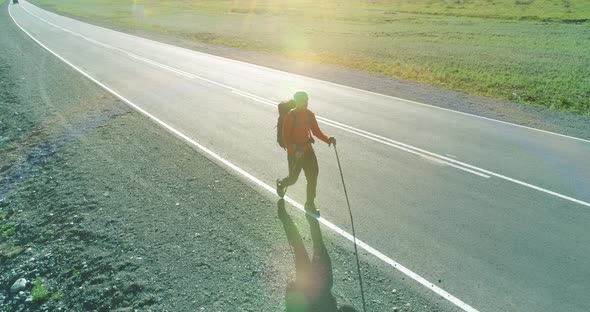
(358, 265)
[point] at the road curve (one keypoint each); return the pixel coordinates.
(493, 212)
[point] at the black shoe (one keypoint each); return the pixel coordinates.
(312, 209)
(280, 189)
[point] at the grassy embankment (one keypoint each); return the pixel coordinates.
(528, 51)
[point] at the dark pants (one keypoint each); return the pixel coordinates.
(309, 163)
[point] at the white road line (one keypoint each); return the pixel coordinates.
(403, 146)
(407, 150)
(459, 303)
(174, 70)
(252, 97)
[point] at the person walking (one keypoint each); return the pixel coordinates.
(298, 126)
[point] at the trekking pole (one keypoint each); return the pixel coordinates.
(358, 265)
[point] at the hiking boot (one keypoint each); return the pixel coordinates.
(312, 208)
(280, 189)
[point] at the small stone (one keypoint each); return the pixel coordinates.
(19, 285)
(393, 291)
(29, 299)
(177, 204)
(395, 309)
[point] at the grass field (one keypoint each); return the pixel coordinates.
(529, 51)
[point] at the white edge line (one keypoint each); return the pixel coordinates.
(265, 186)
(329, 82)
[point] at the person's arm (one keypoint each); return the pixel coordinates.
(288, 129)
(315, 129)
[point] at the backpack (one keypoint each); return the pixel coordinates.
(284, 108)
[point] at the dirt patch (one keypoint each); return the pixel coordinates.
(15, 170)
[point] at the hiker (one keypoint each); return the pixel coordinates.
(297, 127)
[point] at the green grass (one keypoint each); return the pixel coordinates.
(528, 51)
(7, 230)
(7, 247)
(40, 292)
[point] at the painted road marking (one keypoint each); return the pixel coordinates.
(393, 143)
(174, 70)
(459, 303)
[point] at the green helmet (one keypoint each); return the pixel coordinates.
(300, 97)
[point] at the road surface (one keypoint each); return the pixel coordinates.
(493, 213)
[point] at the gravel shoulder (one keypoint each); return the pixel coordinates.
(109, 212)
(537, 117)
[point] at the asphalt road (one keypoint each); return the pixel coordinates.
(493, 213)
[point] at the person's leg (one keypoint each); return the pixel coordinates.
(295, 166)
(311, 170)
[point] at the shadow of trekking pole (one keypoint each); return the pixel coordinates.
(312, 288)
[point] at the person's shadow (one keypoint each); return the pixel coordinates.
(311, 291)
